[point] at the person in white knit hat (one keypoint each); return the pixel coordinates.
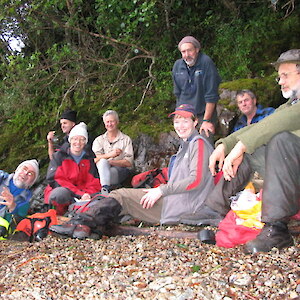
(15, 191)
(72, 174)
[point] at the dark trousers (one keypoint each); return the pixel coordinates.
(279, 163)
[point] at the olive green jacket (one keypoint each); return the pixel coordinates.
(285, 118)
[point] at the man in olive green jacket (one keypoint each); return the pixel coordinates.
(270, 147)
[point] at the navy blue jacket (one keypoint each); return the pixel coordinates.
(196, 85)
(260, 114)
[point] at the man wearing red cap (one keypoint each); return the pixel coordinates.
(196, 81)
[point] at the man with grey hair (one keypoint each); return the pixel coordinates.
(251, 111)
(14, 189)
(196, 82)
(270, 147)
(114, 153)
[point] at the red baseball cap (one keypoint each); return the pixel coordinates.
(184, 110)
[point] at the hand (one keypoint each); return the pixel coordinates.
(116, 152)
(218, 155)
(8, 198)
(207, 127)
(86, 197)
(233, 160)
(50, 136)
(150, 198)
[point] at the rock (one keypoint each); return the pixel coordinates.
(149, 155)
(37, 200)
(227, 119)
(240, 279)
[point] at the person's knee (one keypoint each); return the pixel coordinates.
(116, 194)
(103, 163)
(282, 137)
(283, 143)
(60, 195)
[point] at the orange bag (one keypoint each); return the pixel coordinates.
(37, 225)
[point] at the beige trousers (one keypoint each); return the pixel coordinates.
(129, 199)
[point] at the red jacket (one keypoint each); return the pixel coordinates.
(80, 178)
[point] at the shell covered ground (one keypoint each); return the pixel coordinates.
(145, 267)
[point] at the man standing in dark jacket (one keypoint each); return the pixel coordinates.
(196, 81)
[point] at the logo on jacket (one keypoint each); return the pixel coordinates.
(198, 72)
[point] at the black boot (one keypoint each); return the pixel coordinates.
(273, 235)
(79, 227)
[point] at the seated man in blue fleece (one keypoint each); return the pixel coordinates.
(251, 111)
(15, 191)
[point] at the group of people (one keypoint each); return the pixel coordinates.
(270, 147)
(264, 140)
(78, 171)
(74, 169)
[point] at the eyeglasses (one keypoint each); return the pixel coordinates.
(284, 75)
(27, 172)
(78, 139)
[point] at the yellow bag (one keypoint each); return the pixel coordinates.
(247, 207)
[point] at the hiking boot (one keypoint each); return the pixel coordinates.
(81, 232)
(63, 229)
(105, 190)
(76, 231)
(273, 235)
(206, 216)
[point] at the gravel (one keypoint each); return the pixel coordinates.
(144, 267)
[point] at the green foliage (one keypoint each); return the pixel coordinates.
(265, 89)
(121, 19)
(94, 55)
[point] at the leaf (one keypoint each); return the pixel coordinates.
(182, 246)
(195, 268)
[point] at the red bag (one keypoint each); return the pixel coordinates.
(297, 215)
(150, 179)
(84, 206)
(230, 234)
